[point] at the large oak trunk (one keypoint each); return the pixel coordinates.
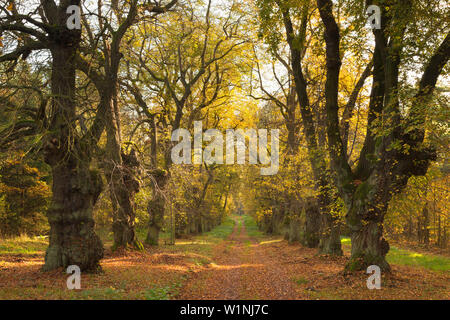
(368, 247)
(72, 237)
(75, 186)
(365, 220)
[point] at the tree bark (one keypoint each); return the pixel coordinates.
(311, 230)
(156, 207)
(316, 153)
(72, 237)
(330, 236)
(365, 219)
(124, 186)
(75, 187)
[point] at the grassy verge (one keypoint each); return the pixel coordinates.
(23, 245)
(410, 258)
(222, 231)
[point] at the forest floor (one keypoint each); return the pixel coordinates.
(233, 261)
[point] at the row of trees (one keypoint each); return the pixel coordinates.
(322, 47)
(86, 83)
(94, 109)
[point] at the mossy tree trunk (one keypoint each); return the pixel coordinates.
(72, 238)
(365, 220)
(311, 229)
(316, 151)
(123, 187)
(75, 186)
(156, 207)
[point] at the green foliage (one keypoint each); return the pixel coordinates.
(157, 293)
(24, 197)
(164, 292)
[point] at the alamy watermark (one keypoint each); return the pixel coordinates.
(258, 152)
(375, 16)
(74, 20)
(374, 281)
(74, 280)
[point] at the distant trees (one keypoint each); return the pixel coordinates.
(419, 214)
(24, 198)
(185, 70)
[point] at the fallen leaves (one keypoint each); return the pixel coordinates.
(238, 267)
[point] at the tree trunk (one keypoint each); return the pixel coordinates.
(426, 223)
(75, 187)
(294, 230)
(156, 208)
(365, 220)
(316, 151)
(310, 237)
(419, 229)
(330, 240)
(72, 237)
(439, 232)
(369, 248)
(124, 186)
(120, 170)
(153, 234)
(410, 228)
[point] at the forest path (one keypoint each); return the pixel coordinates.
(241, 269)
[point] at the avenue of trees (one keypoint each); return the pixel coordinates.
(87, 114)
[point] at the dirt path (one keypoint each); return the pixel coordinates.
(242, 269)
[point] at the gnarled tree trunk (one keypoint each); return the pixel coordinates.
(124, 186)
(365, 220)
(311, 228)
(156, 207)
(75, 187)
(72, 237)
